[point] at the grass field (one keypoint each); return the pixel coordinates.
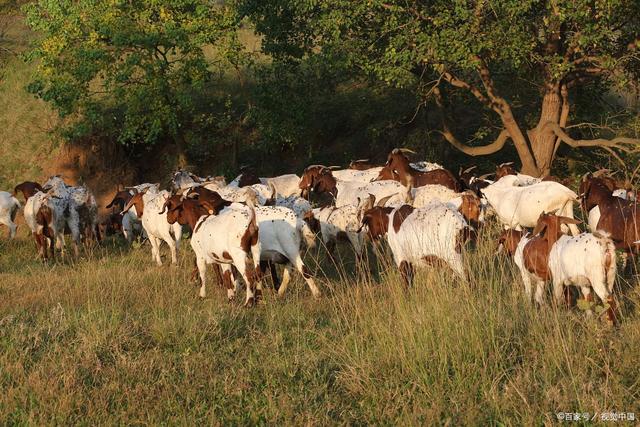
(113, 339)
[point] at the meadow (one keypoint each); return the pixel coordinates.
(111, 338)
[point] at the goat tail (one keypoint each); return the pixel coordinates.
(253, 232)
(14, 208)
(307, 234)
(609, 258)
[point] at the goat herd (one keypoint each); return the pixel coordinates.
(425, 212)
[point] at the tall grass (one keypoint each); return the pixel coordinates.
(111, 338)
(27, 141)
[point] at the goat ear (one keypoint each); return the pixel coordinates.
(567, 220)
(384, 200)
(539, 228)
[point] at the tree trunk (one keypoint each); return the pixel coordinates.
(543, 140)
(529, 165)
(181, 154)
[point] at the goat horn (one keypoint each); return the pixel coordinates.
(274, 192)
(383, 201)
(486, 175)
(600, 172)
(406, 150)
(467, 170)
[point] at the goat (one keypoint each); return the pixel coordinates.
(422, 236)
(618, 217)
(340, 224)
(518, 207)
(399, 169)
(466, 202)
(505, 169)
(131, 224)
(469, 181)
(596, 189)
(9, 206)
(509, 240)
(45, 216)
(285, 185)
(347, 192)
(64, 203)
(586, 260)
(149, 207)
(183, 179)
(228, 237)
(27, 188)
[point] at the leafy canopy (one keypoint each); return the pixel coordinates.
(503, 55)
(130, 67)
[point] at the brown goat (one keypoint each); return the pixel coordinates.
(45, 237)
(399, 168)
(120, 199)
(505, 169)
(618, 217)
(27, 188)
(508, 240)
(536, 251)
(247, 177)
(309, 176)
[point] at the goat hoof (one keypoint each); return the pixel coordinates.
(250, 302)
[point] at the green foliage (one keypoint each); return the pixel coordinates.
(394, 39)
(526, 46)
(130, 69)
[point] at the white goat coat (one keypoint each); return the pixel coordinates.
(281, 234)
(354, 175)
(285, 185)
(131, 224)
(429, 231)
(335, 221)
(9, 206)
(239, 195)
(215, 235)
(349, 192)
(425, 166)
(423, 196)
(297, 204)
(156, 226)
(368, 175)
(31, 208)
(518, 207)
(581, 261)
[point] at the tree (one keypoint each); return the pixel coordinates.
(521, 61)
(131, 67)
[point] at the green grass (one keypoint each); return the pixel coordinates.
(113, 339)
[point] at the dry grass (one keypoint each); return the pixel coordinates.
(113, 339)
(27, 141)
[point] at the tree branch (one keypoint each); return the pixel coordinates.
(459, 83)
(448, 135)
(564, 114)
(483, 150)
(621, 143)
